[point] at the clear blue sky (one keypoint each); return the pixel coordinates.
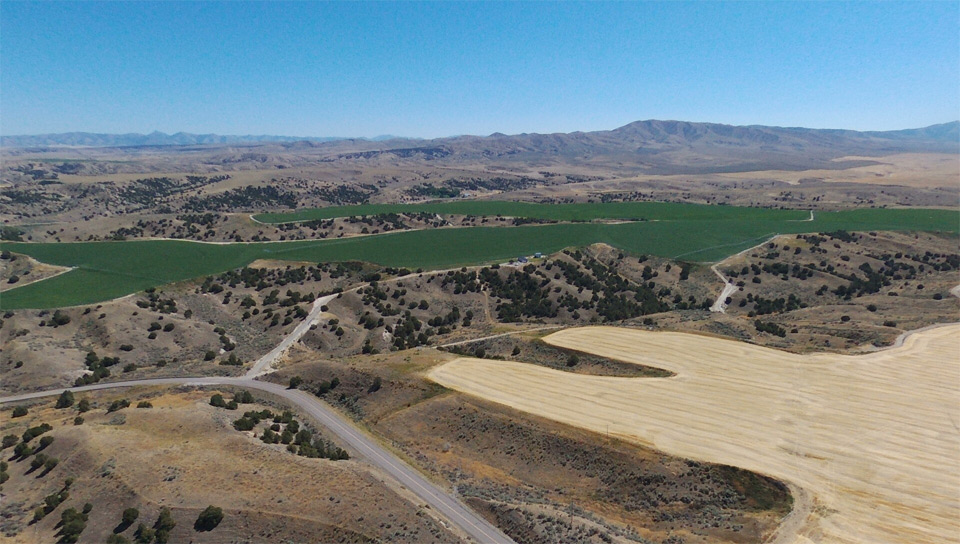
(438, 69)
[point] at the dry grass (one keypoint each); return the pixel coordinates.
(184, 454)
(872, 438)
(920, 170)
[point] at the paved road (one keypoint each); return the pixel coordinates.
(439, 500)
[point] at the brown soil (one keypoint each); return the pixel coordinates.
(185, 455)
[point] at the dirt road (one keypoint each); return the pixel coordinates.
(874, 438)
(720, 305)
(264, 364)
(482, 338)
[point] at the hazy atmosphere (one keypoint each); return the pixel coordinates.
(440, 69)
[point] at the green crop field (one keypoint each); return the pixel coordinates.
(557, 212)
(107, 270)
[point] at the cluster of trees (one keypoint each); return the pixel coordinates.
(429, 190)
(519, 221)
(43, 460)
(285, 429)
(243, 198)
(842, 235)
(526, 295)
(10, 234)
(346, 194)
(232, 360)
(24, 449)
(224, 341)
(314, 225)
(407, 332)
(240, 397)
(58, 318)
(384, 221)
(612, 296)
(208, 220)
(52, 501)
(326, 386)
(150, 191)
(446, 323)
(99, 368)
(157, 304)
(73, 522)
(118, 405)
(262, 278)
(463, 281)
(375, 295)
(768, 327)
(871, 283)
(27, 198)
(369, 322)
(65, 400)
(159, 533)
(763, 306)
(893, 268)
(493, 184)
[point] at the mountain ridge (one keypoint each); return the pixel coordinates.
(648, 131)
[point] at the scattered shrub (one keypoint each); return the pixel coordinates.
(208, 519)
(118, 405)
(65, 400)
(130, 515)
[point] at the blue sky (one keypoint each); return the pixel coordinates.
(438, 69)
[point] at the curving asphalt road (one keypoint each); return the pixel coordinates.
(477, 528)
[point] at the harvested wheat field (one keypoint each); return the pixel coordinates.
(870, 444)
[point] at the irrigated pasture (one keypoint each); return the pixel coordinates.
(106, 270)
(870, 440)
(588, 211)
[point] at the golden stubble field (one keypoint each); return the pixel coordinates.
(921, 170)
(870, 444)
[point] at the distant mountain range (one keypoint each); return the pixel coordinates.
(92, 139)
(649, 147)
(654, 132)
